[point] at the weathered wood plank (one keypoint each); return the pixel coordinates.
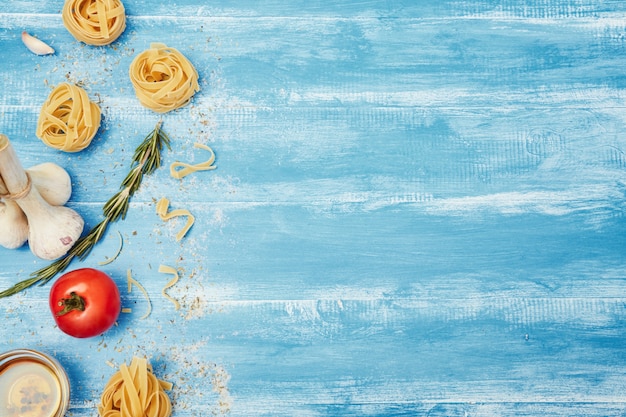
(418, 208)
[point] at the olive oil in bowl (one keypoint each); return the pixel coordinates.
(32, 384)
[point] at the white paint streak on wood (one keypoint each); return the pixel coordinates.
(418, 207)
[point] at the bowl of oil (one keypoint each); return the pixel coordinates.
(32, 384)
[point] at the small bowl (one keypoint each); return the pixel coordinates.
(32, 384)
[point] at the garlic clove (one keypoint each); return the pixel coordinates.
(53, 182)
(35, 45)
(13, 225)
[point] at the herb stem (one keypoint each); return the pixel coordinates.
(146, 159)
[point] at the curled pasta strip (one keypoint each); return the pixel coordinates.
(186, 169)
(117, 253)
(95, 22)
(161, 209)
(68, 120)
(163, 78)
(135, 391)
(164, 269)
(132, 281)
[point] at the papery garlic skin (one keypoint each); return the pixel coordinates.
(52, 181)
(36, 46)
(13, 225)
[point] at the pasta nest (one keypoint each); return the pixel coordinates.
(95, 22)
(135, 391)
(163, 78)
(68, 120)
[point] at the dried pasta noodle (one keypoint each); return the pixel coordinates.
(134, 391)
(164, 269)
(163, 78)
(187, 169)
(119, 250)
(132, 281)
(95, 22)
(161, 209)
(68, 120)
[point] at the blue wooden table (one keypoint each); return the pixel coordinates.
(418, 207)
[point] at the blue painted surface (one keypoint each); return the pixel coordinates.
(418, 207)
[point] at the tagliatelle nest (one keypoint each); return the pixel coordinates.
(163, 78)
(95, 22)
(134, 391)
(68, 120)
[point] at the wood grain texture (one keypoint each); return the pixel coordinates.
(418, 207)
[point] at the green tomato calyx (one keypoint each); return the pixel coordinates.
(75, 302)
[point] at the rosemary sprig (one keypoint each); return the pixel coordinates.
(146, 160)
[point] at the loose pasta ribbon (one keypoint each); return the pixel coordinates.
(163, 78)
(161, 208)
(165, 269)
(132, 281)
(180, 170)
(95, 22)
(68, 120)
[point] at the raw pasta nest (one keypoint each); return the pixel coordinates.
(134, 391)
(95, 22)
(163, 78)
(68, 120)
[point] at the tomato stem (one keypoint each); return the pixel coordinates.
(75, 302)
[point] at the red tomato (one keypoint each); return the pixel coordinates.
(85, 302)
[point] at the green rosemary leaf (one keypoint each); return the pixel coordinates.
(22, 285)
(90, 240)
(117, 206)
(133, 179)
(47, 273)
(146, 159)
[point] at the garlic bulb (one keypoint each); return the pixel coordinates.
(52, 230)
(54, 185)
(53, 182)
